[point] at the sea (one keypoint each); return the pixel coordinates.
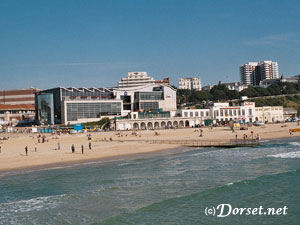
(174, 188)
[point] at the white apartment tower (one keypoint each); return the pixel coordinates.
(252, 73)
(135, 79)
(247, 73)
(193, 83)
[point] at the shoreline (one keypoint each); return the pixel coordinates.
(69, 164)
(124, 146)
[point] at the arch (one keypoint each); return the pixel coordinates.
(169, 124)
(143, 126)
(181, 123)
(175, 124)
(136, 126)
(163, 124)
(149, 125)
(156, 125)
(127, 126)
(187, 123)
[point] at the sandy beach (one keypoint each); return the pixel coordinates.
(13, 157)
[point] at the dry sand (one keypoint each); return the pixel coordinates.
(12, 156)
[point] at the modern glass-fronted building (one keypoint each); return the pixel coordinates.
(80, 105)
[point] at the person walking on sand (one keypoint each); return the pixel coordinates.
(90, 145)
(0, 148)
(35, 147)
(82, 149)
(73, 148)
(58, 146)
(26, 150)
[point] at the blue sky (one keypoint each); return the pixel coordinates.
(93, 43)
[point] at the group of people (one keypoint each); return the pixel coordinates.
(82, 148)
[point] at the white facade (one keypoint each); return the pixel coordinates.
(236, 86)
(167, 101)
(222, 113)
(252, 73)
(193, 83)
(135, 79)
(269, 70)
(247, 72)
(269, 114)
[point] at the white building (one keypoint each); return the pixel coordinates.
(222, 113)
(236, 86)
(269, 113)
(151, 97)
(135, 79)
(193, 83)
(247, 72)
(253, 73)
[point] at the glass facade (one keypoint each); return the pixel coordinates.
(151, 95)
(88, 110)
(149, 106)
(84, 92)
(46, 109)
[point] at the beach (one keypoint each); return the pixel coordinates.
(124, 143)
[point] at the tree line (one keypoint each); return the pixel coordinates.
(221, 93)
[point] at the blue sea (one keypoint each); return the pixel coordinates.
(172, 188)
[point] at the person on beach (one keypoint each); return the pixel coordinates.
(35, 147)
(82, 149)
(90, 145)
(201, 133)
(26, 151)
(0, 148)
(73, 148)
(58, 146)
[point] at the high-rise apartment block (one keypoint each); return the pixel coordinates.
(193, 83)
(252, 73)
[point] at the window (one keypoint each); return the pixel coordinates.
(197, 114)
(191, 114)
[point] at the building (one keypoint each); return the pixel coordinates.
(18, 97)
(267, 82)
(247, 72)
(12, 114)
(289, 113)
(223, 113)
(236, 86)
(193, 83)
(165, 81)
(252, 73)
(269, 114)
(80, 105)
(135, 79)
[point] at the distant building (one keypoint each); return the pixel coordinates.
(252, 73)
(17, 97)
(193, 83)
(267, 82)
(135, 79)
(236, 86)
(165, 81)
(269, 114)
(207, 88)
(12, 114)
(289, 113)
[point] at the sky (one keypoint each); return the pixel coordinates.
(94, 43)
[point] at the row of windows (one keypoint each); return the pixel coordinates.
(151, 95)
(232, 112)
(197, 114)
(149, 106)
(86, 93)
(77, 111)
